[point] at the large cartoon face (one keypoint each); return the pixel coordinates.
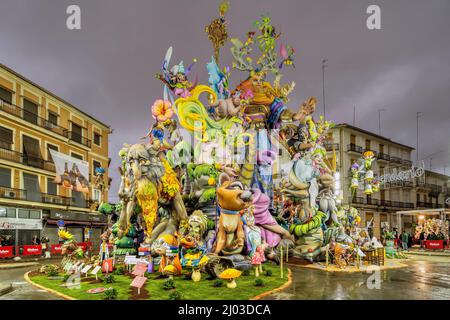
(232, 195)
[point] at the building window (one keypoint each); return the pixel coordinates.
(352, 139)
(31, 185)
(367, 144)
(6, 212)
(97, 139)
(5, 177)
(381, 148)
(51, 147)
(30, 111)
(52, 188)
(77, 133)
(96, 194)
(5, 95)
(95, 165)
(31, 152)
(53, 118)
(6, 138)
(79, 199)
(76, 156)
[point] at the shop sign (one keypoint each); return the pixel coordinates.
(407, 175)
(17, 223)
(6, 252)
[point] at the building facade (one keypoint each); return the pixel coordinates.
(33, 121)
(430, 190)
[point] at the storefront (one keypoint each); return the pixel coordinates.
(18, 227)
(85, 227)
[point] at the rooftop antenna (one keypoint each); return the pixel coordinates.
(354, 116)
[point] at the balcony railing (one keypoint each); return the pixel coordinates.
(20, 194)
(383, 156)
(407, 162)
(32, 118)
(355, 148)
(12, 193)
(79, 138)
(429, 205)
(26, 160)
(408, 184)
(383, 203)
(331, 146)
(396, 160)
(54, 199)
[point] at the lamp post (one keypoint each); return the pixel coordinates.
(324, 65)
(379, 120)
(418, 115)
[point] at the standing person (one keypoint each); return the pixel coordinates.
(404, 239)
(36, 241)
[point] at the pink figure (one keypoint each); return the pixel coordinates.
(257, 259)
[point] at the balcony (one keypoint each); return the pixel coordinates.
(20, 194)
(32, 118)
(79, 138)
(429, 205)
(54, 199)
(12, 193)
(382, 203)
(396, 160)
(329, 146)
(26, 160)
(408, 184)
(407, 162)
(354, 148)
(383, 157)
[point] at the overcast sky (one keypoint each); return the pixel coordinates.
(107, 68)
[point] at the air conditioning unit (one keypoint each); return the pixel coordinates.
(10, 194)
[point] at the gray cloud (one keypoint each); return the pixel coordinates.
(107, 68)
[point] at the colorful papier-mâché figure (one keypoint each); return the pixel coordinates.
(149, 182)
(243, 116)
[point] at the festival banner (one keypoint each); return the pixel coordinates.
(71, 173)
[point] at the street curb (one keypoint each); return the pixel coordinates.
(18, 265)
(4, 289)
(51, 291)
(284, 286)
(429, 254)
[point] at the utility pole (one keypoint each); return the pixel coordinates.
(324, 65)
(418, 115)
(379, 120)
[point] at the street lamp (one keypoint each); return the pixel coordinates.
(324, 65)
(418, 115)
(379, 120)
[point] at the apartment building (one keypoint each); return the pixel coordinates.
(32, 122)
(430, 190)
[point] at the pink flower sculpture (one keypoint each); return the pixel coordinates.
(162, 110)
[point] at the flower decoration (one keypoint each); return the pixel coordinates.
(162, 110)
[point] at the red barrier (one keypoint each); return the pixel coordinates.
(31, 250)
(434, 244)
(56, 249)
(6, 252)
